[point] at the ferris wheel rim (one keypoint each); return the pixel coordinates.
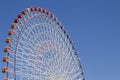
(28, 10)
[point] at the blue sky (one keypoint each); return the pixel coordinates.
(94, 27)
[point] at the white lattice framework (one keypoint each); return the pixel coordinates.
(40, 49)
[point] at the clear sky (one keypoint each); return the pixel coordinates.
(94, 27)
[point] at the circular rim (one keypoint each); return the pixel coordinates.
(20, 16)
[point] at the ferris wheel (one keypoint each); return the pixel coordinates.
(39, 48)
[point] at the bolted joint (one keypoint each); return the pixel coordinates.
(5, 59)
(79, 59)
(82, 73)
(80, 66)
(5, 70)
(83, 79)
(75, 52)
(68, 36)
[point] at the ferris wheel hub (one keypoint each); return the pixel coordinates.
(57, 77)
